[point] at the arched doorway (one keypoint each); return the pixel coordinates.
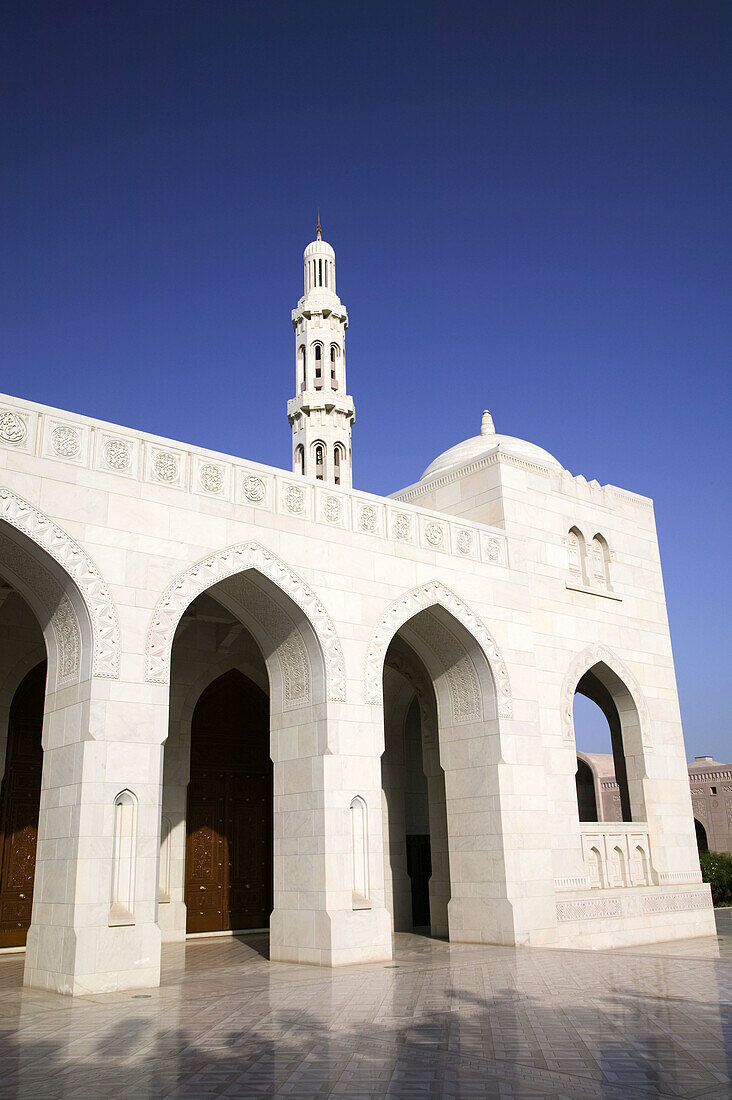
(228, 879)
(20, 796)
(702, 842)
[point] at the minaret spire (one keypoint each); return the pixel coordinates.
(321, 414)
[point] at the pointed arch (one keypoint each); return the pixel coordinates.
(409, 605)
(85, 578)
(218, 567)
(594, 655)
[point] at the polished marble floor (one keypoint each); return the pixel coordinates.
(441, 1020)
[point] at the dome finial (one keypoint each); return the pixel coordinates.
(486, 424)
(317, 228)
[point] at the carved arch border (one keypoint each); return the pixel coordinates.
(421, 599)
(582, 663)
(45, 533)
(217, 567)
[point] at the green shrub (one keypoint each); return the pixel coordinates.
(717, 871)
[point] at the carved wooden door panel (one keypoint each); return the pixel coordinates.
(206, 899)
(229, 821)
(19, 804)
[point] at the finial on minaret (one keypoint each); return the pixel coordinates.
(317, 228)
(486, 424)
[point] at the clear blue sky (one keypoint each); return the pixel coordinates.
(529, 203)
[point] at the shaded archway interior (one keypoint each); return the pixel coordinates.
(23, 670)
(220, 738)
(592, 688)
(417, 877)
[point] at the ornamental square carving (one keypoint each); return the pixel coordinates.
(39, 528)
(295, 499)
(465, 542)
(210, 479)
(402, 526)
(65, 441)
(434, 535)
(166, 466)
(332, 509)
(367, 518)
(404, 609)
(254, 489)
(117, 455)
(17, 429)
(220, 566)
(494, 550)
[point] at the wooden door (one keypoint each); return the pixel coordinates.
(229, 821)
(20, 798)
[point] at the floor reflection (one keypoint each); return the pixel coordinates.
(441, 1020)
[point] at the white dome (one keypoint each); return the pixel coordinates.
(479, 446)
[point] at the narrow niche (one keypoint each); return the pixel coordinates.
(360, 854)
(123, 861)
(164, 870)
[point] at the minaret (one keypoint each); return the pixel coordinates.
(321, 414)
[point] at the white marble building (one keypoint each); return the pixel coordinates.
(247, 697)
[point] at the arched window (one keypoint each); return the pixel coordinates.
(595, 869)
(299, 459)
(301, 366)
(337, 455)
(318, 351)
(576, 555)
(319, 457)
(121, 910)
(320, 272)
(360, 854)
(599, 562)
(334, 352)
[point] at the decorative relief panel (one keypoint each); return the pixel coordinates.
(367, 518)
(13, 427)
(434, 535)
(466, 543)
(294, 499)
(402, 526)
(494, 550)
(82, 570)
(582, 663)
(166, 467)
(289, 645)
(226, 563)
(462, 679)
(409, 605)
(211, 478)
(52, 598)
(332, 509)
(65, 441)
(254, 489)
(591, 909)
(676, 903)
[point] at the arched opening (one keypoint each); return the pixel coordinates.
(299, 459)
(334, 353)
(442, 861)
(229, 811)
(337, 457)
(318, 353)
(417, 870)
(247, 679)
(576, 555)
(702, 842)
(301, 367)
(319, 460)
(599, 562)
(20, 796)
(607, 732)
